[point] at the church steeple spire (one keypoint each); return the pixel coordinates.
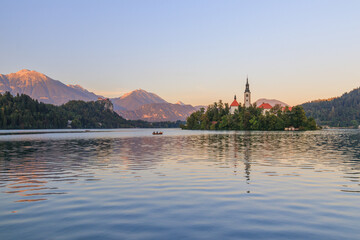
(247, 94)
(247, 89)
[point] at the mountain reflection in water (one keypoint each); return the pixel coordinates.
(203, 185)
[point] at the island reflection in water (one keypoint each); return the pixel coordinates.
(215, 185)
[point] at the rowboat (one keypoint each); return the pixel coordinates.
(157, 133)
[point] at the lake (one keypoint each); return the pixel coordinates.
(128, 184)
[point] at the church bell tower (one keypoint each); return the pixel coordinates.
(247, 94)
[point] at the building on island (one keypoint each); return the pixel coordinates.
(234, 105)
(247, 94)
(247, 99)
(284, 108)
(266, 107)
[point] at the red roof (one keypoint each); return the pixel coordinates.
(290, 108)
(265, 106)
(234, 103)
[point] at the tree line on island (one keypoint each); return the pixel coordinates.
(22, 112)
(218, 117)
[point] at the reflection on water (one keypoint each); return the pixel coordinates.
(207, 185)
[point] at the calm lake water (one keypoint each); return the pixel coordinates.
(128, 184)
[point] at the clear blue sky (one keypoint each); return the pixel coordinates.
(193, 51)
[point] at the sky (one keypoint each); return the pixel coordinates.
(189, 50)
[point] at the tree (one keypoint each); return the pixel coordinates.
(354, 123)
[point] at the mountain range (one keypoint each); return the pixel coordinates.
(138, 104)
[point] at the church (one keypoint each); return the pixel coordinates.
(247, 98)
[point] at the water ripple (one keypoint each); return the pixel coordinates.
(183, 185)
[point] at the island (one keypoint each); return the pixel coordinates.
(220, 116)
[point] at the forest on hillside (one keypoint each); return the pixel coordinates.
(343, 111)
(218, 117)
(22, 112)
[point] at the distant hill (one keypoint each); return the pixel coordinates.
(41, 87)
(135, 99)
(158, 112)
(143, 105)
(272, 102)
(341, 111)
